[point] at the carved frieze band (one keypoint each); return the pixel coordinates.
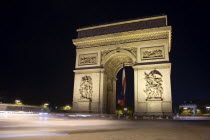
(149, 53)
(107, 52)
(88, 59)
(121, 40)
(132, 52)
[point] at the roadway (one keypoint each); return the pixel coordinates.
(50, 127)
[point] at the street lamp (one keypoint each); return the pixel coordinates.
(18, 102)
(66, 108)
(45, 107)
(125, 110)
(208, 108)
(46, 104)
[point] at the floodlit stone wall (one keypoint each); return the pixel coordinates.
(101, 54)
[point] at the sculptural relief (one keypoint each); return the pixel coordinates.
(105, 54)
(86, 86)
(154, 89)
(88, 59)
(152, 53)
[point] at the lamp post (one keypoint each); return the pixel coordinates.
(18, 102)
(66, 108)
(125, 110)
(45, 107)
(208, 108)
(46, 104)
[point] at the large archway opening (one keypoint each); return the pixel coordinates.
(129, 92)
(113, 68)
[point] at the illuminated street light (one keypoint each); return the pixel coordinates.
(45, 107)
(18, 102)
(208, 108)
(46, 104)
(125, 109)
(66, 108)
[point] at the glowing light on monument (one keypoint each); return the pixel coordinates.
(101, 50)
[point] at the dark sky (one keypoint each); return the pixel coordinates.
(37, 55)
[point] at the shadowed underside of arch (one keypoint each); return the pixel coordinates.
(115, 63)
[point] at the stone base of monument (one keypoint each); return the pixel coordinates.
(149, 113)
(82, 106)
(86, 106)
(168, 114)
(153, 107)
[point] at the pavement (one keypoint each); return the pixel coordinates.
(63, 128)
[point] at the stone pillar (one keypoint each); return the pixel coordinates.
(135, 90)
(153, 89)
(103, 92)
(114, 97)
(89, 91)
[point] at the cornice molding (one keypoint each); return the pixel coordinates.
(123, 37)
(82, 71)
(152, 66)
(123, 22)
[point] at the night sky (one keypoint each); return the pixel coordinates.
(38, 58)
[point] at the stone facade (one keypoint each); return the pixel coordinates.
(153, 106)
(100, 57)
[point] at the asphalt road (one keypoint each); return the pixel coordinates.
(64, 128)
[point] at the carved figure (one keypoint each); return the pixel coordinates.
(86, 86)
(154, 89)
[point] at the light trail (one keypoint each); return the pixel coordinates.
(32, 135)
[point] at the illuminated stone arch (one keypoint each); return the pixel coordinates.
(112, 65)
(101, 52)
(114, 61)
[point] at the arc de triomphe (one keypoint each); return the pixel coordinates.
(143, 44)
